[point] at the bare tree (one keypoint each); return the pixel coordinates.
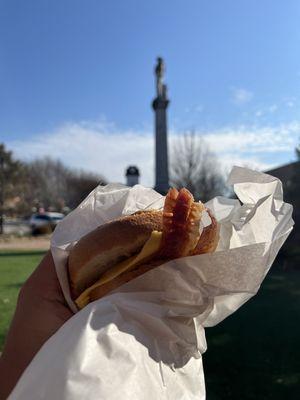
(196, 167)
(52, 185)
(79, 185)
(12, 183)
(43, 182)
(47, 181)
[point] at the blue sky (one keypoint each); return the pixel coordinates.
(76, 79)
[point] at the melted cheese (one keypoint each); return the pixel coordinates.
(150, 247)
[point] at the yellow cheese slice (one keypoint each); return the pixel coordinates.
(150, 247)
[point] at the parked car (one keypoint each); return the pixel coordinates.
(44, 222)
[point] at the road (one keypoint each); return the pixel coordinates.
(15, 228)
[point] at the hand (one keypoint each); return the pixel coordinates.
(41, 310)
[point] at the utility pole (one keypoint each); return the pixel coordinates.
(1, 193)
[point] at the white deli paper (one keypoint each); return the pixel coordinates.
(144, 341)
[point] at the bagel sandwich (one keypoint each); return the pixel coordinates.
(123, 249)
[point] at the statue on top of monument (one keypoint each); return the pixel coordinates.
(161, 89)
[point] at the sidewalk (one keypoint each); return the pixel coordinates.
(25, 243)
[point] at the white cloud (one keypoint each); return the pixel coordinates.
(241, 96)
(199, 108)
(273, 108)
(103, 148)
(93, 147)
(290, 101)
(262, 139)
(228, 160)
(290, 104)
(194, 109)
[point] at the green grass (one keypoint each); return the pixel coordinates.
(255, 353)
(252, 355)
(15, 267)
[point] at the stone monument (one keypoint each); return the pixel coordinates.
(160, 104)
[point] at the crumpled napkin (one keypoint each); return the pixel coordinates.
(145, 339)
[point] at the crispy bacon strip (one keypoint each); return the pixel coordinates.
(181, 219)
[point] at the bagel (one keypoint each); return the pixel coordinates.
(108, 245)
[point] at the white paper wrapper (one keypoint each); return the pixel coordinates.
(145, 340)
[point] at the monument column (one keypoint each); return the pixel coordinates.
(160, 104)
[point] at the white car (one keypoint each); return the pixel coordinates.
(44, 222)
